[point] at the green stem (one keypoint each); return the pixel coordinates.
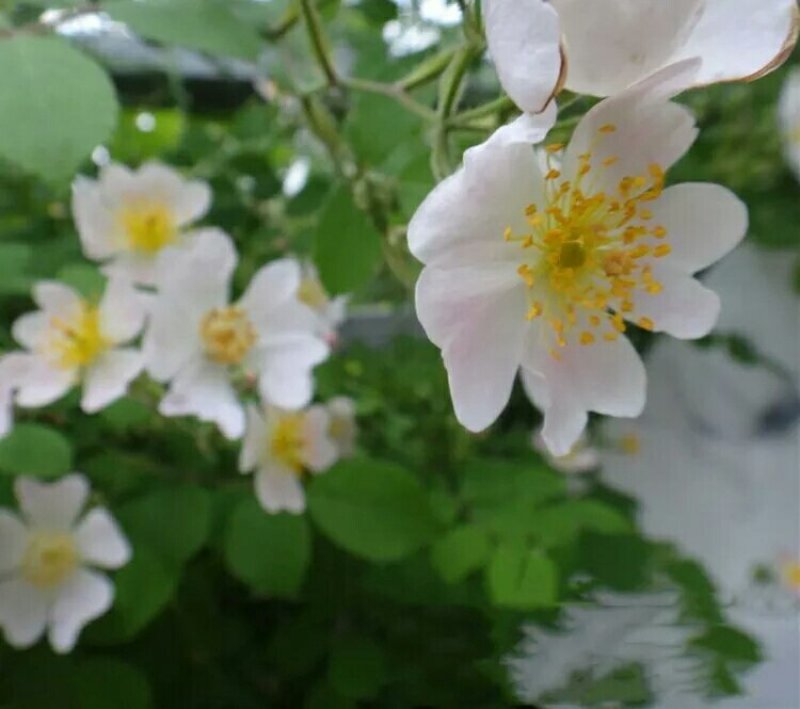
(319, 44)
(392, 91)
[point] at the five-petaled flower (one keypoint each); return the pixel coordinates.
(610, 45)
(199, 341)
(48, 557)
(73, 340)
(126, 218)
(280, 447)
(542, 261)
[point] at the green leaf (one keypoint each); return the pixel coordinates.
(85, 279)
(173, 521)
(562, 523)
(103, 682)
(33, 449)
(460, 552)
(373, 509)
(15, 260)
(347, 248)
(375, 126)
(56, 106)
(521, 579)
(270, 553)
(205, 25)
(357, 668)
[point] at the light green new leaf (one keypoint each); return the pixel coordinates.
(347, 247)
(270, 553)
(372, 509)
(56, 106)
(520, 578)
(33, 449)
(206, 25)
(462, 551)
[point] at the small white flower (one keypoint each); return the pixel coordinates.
(331, 312)
(199, 341)
(343, 428)
(48, 556)
(789, 114)
(71, 340)
(281, 446)
(127, 217)
(542, 270)
(612, 44)
(582, 457)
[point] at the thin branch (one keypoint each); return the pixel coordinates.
(393, 92)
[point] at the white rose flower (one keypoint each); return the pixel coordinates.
(789, 114)
(71, 340)
(48, 557)
(542, 269)
(127, 217)
(343, 428)
(331, 312)
(280, 447)
(197, 340)
(612, 44)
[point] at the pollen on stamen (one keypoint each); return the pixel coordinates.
(659, 232)
(607, 128)
(646, 324)
(555, 148)
(526, 274)
(662, 250)
(611, 160)
(587, 338)
(534, 312)
(552, 174)
(508, 234)
(618, 322)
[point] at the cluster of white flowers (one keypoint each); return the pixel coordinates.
(167, 311)
(539, 257)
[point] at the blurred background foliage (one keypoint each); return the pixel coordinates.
(407, 581)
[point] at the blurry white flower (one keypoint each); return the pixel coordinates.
(197, 340)
(790, 573)
(582, 458)
(789, 114)
(343, 428)
(71, 340)
(542, 269)
(127, 217)
(48, 556)
(296, 177)
(331, 312)
(280, 447)
(612, 44)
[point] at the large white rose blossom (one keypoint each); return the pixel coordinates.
(540, 261)
(199, 341)
(72, 340)
(609, 45)
(126, 217)
(48, 560)
(280, 447)
(789, 115)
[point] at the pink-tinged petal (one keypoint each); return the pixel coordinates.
(477, 318)
(122, 311)
(100, 540)
(53, 506)
(23, 612)
(96, 223)
(524, 41)
(320, 452)
(13, 541)
(741, 39)
(279, 490)
(703, 221)
(109, 377)
(613, 44)
(684, 308)
(85, 596)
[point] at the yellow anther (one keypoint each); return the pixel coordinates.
(654, 288)
(508, 234)
(555, 148)
(662, 250)
(587, 338)
(526, 274)
(646, 324)
(618, 322)
(227, 335)
(535, 311)
(552, 174)
(611, 160)
(608, 128)
(659, 232)
(611, 337)
(584, 169)
(645, 214)
(595, 320)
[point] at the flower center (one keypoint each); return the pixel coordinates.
(288, 441)
(227, 335)
(791, 573)
(312, 293)
(76, 341)
(149, 228)
(587, 252)
(50, 559)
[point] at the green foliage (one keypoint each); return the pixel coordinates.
(521, 578)
(34, 449)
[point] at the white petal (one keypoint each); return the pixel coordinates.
(320, 452)
(741, 39)
(31, 329)
(477, 318)
(108, 378)
(135, 266)
(285, 366)
(203, 389)
(280, 490)
(528, 128)
(56, 298)
(476, 204)
(116, 181)
(685, 308)
(524, 41)
(789, 114)
(53, 506)
(94, 220)
(39, 383)
(172, 336)
(13, 367)
(271, 286)
(255, 440)
(23, 612)
(122, 311)
(203, 263)
(703, 221)
(613, 44)
(100, 540)
(13, 541)
(86, 596)
(188, 201)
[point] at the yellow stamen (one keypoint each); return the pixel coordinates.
(148, 227)
(227, 334)
(288, 441)
(50, 559)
